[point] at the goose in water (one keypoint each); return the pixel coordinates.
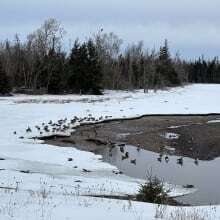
(180, 161)
(159, 159)
(125, 157)
(122, 149)
(138, 147)
(167, 159)
(133, 161)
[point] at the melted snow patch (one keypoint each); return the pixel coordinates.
(170, 136)
(171, 149)
(178, 126)
(213, 121)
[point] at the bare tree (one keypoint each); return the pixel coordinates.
(108, 46)
(47, 39)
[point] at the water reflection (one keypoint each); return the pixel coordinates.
(137, 162)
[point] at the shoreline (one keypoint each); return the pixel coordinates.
(150, 132)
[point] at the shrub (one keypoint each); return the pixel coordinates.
(153, 191)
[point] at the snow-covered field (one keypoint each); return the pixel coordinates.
(55, 188)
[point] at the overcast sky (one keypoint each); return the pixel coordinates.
(192, 27)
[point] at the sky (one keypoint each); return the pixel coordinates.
(191, 27)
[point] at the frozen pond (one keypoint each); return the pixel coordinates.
(203, 175)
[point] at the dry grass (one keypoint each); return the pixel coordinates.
(192, 214)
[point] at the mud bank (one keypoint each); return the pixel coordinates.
(194, 136)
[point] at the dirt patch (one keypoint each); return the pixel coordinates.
(189, 136)
(170, 201)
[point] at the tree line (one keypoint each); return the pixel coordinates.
(41, 65)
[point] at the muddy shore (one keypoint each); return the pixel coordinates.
(195, 136)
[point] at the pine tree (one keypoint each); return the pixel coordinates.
(4, 81)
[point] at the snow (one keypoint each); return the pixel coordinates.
(56, 188)
(214, 121)
(170, 136)
(172, 149)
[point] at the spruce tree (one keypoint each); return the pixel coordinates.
(165, 70)
(84, 69)
(4, 81)
(94, 69)
(55, 70)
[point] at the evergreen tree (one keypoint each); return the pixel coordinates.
(166, 74)
(4, 81)
(84, 69)
(56, 79)
(94, 69)
(56, 83)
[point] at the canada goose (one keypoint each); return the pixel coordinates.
(133, 161)
(86, 171)
(167, 159)
(37, 127)
(122, 149)
(196, 161)
(70, 159)
(117, 172)
(127, 154)
(180, 161)
(28, 130)
(76, 118)
(46, 128)
(60, 122)
(24, 171)
(15, 132)
(73, 121)
(159, 159)
(189, 186)
(124, 157)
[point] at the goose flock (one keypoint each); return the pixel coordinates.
(179, 160)
(125, 155)
(64, 127)
(61, 126)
